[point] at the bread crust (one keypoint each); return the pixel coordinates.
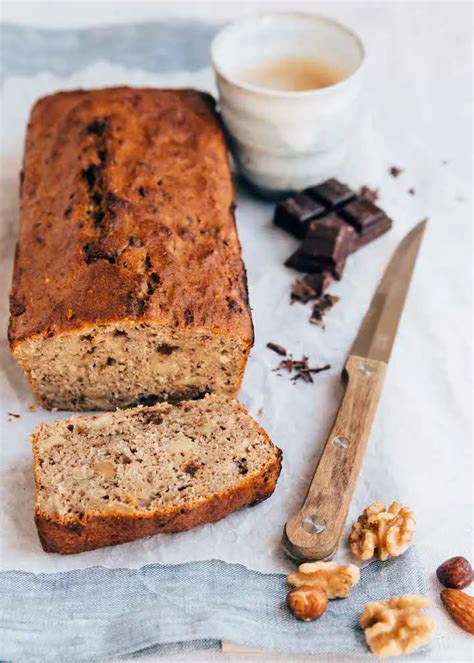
(127, 214)
(76, 534)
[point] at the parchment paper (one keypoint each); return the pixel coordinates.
(424, 405)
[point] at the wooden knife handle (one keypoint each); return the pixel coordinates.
(314, 532)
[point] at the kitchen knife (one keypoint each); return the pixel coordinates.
(314, 532)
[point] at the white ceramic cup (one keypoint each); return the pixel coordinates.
(286, 140)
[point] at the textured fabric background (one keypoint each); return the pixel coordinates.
(86, 615)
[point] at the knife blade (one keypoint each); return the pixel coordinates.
(314, 532)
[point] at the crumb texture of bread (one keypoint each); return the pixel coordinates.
(127, 225)
(119, 476)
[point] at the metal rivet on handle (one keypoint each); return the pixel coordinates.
(314, 525)
(340, 442)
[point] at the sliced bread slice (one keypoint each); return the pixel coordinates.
(119, 476)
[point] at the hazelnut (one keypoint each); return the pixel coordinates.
(307, 602)
(455, 573)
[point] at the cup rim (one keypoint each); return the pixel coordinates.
(256, 89)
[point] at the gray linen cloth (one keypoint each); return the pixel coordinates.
(98, 613)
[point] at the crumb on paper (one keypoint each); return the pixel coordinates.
(395, 171)
(411, 191)
(32, 407)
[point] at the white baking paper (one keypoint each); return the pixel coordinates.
(425, 404)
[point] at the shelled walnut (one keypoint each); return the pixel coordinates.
(382, 531)
(335, 579)
(396, 626)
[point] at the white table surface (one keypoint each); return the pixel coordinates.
(421, 76)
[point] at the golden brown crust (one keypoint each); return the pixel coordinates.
(74, 535)
(127, 214)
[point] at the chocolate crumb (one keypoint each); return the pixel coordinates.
(309, 287)
(13, 414)
(279, 349)
(411, 192)
(369, 194)
(191, 468)
(321, 307)
(395, 171)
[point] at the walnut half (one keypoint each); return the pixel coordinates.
(335, 579)
(396, 626)
(382, 531)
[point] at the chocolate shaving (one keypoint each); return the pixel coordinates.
(279, 349)
(13, 414)
(305, 374)
(303, 370)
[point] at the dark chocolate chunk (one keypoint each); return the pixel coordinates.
(395, 171)
(372, 233)
(279, 349)
(309, 287)
(326, 247)
(331, 193)
(362, 214)
(295, 212)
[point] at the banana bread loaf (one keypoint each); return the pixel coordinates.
(120, 476)
(128, 283)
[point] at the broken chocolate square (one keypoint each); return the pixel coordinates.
(326, 247)
(362, 214)
(371, 233)
(331, 193)
(295, 212)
